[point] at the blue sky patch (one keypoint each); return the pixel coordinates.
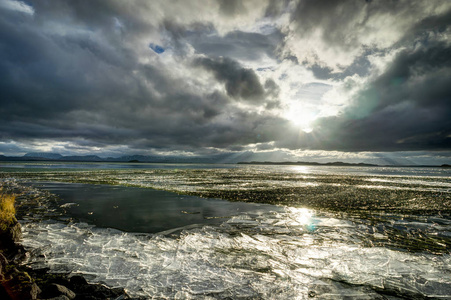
(158, 49)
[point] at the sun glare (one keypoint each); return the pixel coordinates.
(301, 169)
(300, 117)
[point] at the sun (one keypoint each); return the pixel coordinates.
(301, 117)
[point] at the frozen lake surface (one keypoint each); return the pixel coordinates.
(336, 233)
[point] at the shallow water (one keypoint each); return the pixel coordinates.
(364, 233)
(144, 210)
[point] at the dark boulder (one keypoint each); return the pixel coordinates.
(55, 290)
(95, 291)
(18, 285)
(10, 236)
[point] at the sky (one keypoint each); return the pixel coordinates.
(266, 79)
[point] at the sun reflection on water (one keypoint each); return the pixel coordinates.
(301, 169)
(302, 217)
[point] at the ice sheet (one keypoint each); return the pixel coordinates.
(395, 239)
(291, 255)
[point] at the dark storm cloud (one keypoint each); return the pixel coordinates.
(85, 86)
(334, 16)
(96, 15)
(239, 82)
(428, 27)
(406, 108)
(44, 75)
(231, 7)
(420, 76)
(276, 7)
(90, 73)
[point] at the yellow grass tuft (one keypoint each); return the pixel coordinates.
(7, 210)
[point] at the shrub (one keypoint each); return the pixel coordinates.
(7, 210)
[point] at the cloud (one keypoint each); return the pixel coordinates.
(225, 75)
(82, 85)
(403, 103)
(17, 6)
(405, 108)
(239, 82)
(245, 46)
(335, 33)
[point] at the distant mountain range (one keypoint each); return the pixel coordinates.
(43, 156)
(243, 158)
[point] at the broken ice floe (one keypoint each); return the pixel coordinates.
(271, 255)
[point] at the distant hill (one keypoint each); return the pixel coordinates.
(82, 158)
(43, 155)
(35, 156)
(308, 163)
(337, 163)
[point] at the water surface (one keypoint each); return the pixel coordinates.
(336, 232)
(144, 210)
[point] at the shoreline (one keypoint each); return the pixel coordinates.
(20, 281)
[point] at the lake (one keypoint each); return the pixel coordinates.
(255, 232)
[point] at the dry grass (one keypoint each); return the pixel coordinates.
(7, 210)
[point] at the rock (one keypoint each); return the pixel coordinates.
(97, 291)
(44, 278)
(87, 291)
(56, 290)
(9, 236)
(15, 284)
(77, 280)
(3, 264)
(34, 291)
(19, 254)
(16, 290)
(16, 232)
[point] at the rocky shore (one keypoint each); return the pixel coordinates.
(20, 281)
